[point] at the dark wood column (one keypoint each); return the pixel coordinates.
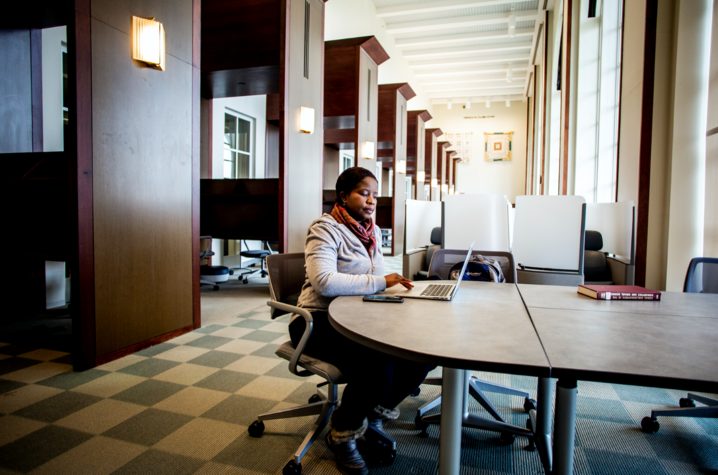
(416, 148)
(431, 159)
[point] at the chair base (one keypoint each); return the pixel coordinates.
(709, 411)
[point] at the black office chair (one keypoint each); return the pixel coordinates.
(435, 245)
(595, 266)
(211, 275)
(286, 278)
(702, 277)
(260, 254)
(441, 263)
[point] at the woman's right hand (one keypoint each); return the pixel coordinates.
(395, 279)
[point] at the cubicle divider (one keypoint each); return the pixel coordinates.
(420, 218)
(615, 222)
(482, 219)
(549, 239)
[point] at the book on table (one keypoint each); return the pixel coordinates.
(618, 292)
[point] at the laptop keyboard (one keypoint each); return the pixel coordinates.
(435, 290)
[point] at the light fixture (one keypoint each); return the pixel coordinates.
(448, 105)
(488, 103)
(509, 74)
(451, 190)
(512, 23)
(444, 188)
(148, 42)
(434, 183)
(420, 176)
(508, 103)
(401, 167)
(468, 104)
(306, 120)
(369, 150)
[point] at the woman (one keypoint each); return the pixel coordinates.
(343, 257)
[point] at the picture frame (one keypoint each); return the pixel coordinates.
(497, 146)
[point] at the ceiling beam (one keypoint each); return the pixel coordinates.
(475, 94)
(442, 39)
(460, 22)
(448, 62)
(492, 68)
(428, 53)
(475, 99)
(519, 78)
(438, 7)
(477, 91)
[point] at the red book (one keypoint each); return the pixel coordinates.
(618, 292)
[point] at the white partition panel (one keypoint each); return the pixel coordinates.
(421, 218)
(481, 219)
(615, 223)
(548, 232)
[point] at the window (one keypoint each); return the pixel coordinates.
(347, 162)
(65, 98)
(408, 187)
(378, 177)
(391, 182)
(237, 146)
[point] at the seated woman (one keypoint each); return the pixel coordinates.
(343, 257)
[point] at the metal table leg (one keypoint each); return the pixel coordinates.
(541, 423)
(453, 394)
(565, 427)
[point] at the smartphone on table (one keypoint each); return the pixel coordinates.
(383, 298)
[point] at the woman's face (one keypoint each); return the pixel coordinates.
(361, 202)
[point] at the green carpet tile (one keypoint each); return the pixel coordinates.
(183, 407)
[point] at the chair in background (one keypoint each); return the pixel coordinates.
(435, 245)
(442, 262)
(286, 278)
(596, 270)
(260, 254)
(702, 277)
(211, 275)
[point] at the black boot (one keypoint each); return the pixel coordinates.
(343, 444)
(379, 415)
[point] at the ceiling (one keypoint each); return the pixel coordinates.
(461, 51)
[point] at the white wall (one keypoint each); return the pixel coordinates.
(354, 18)
(252, 106)
(479, 176)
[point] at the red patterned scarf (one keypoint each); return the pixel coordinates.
(364, 230)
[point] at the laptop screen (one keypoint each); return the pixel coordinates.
(463, 269)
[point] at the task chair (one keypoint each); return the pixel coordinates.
(702, 277)
(211, 275)
(441, 263)
(435, 245)
(286, 278)
(260, 254)
(596, 270)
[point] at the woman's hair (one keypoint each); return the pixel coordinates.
(351, 177)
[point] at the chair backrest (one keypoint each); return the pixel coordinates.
(286, 278)
(435, 245)
(702, 276)
(444, 259)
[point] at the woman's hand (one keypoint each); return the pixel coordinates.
(394, 279)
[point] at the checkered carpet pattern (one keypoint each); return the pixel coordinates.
(183, 407)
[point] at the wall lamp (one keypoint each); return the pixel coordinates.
(148, 42)
(444, 188)
(306, 120)
(401, 167)
(434, 183)
(420, 176)
(451, 190)
(368, 152)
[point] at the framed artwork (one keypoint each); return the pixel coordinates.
(497, 146)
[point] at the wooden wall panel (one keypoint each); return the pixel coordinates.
(367, 117)
(142, 122)
(432, 160)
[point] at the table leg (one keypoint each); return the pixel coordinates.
(452, 405)
(564, 427)
(541, 423)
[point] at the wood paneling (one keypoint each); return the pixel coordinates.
(544, 93)
(566, 92)
(431, 167)
(441, 159)
(196, 78)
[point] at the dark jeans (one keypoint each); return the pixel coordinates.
(373, 378)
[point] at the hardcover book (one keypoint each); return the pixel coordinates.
(618, 292)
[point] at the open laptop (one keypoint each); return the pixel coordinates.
(433, 289)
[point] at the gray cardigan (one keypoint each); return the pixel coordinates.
(337, 263)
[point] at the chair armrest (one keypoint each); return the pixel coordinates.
(305, 337)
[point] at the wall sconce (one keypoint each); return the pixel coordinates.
(148, 42)
(401, 167)
(434, 183)
(369, 150)
(444, 188)
(451, 190)
(420, 176)
(306, 120)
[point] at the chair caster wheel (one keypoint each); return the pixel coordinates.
(292, 468)
(256, 430)
(529, 404)
(506, 438)
(386, 457)
(685, 402)
(314, 398)
(231, 272)
(245, 281)
(421, 426)
(415, 392)
(215, 288)
(650, 425)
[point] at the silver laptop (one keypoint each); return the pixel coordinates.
(433, 289)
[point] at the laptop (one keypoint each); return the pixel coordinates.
(433, 289)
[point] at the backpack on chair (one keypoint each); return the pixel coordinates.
(479, 269)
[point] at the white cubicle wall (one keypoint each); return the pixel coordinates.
(549, 232)
(421, 217)
(615, 222)
(482, 219)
